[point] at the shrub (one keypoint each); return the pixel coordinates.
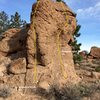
(77, 58)
(97, 69)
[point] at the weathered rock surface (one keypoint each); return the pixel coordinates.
(52, 19)
(4, 64)
(2, 69)
(95, 52)
(13, 41)
(15, 81)
(18, 66)
(54, 25)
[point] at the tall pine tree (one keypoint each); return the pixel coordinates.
(16, 22)
(76, 46)
(4, 22)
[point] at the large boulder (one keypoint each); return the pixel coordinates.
(95, 52)
(51, 19)
(50, 32)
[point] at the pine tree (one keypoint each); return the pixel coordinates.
(16, 22)
(4, 22)
(76, 46)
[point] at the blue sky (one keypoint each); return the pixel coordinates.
(88, 16)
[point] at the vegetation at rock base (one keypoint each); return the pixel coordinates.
(77, 57)
(4, 93)
(97, 69)
(76, 92)
(14, 21)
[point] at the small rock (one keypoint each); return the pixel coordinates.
(18, 66)
(30, 66)
(45, 85)
(77, 64)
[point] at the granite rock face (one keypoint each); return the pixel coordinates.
(47, 40)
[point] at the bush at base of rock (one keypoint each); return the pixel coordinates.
(97, 69)
(77, 58)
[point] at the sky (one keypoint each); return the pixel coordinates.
(88, 16)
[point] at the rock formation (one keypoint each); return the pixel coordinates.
(45, 40)
(95, 52)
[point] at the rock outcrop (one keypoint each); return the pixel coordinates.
(95, 52)
(45, 41)
(13, 41)
(52, 19)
